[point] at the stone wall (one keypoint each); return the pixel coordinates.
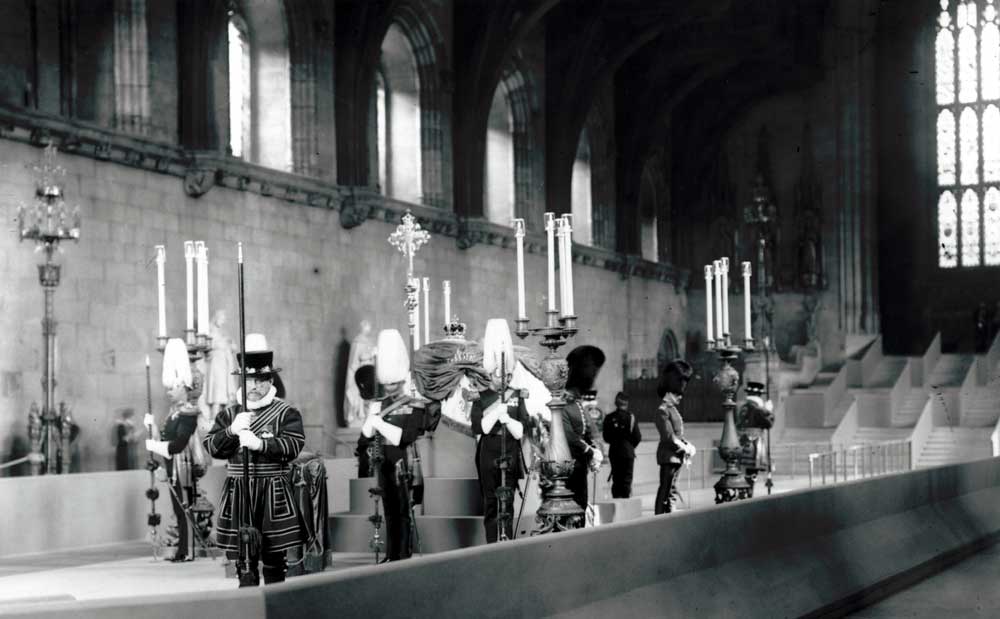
(309, 281)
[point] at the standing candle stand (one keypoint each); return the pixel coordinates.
(559, 511)
(733, 484)
(47, 221)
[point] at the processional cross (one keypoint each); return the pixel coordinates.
(408, 238)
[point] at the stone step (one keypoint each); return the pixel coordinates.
(443, 496)
(353, 532)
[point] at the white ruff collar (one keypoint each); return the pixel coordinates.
(261, 403)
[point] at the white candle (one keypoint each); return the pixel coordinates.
(568, 241)
(550, 229)
(201, 255)
(415, 282)
(161, 291)
(717, 269)
(446, 286)
(522, 314)
(746, 300)
(427, 309)
(239, 253)
(709, 282)
(725, 297)
(189, 264)
(561, 244)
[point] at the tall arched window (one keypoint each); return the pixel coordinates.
(581, 196)
(967, 80)
(647, 214)
(240, 125)
(508, 190)
(398, 119)
(381, 131)
(498, 185)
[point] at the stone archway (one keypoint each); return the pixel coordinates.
(667, 351)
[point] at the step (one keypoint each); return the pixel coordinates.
(950, 370)
(353, 532)
(886, 373)
(443, 496)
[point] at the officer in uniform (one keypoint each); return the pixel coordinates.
(621, 433)
(392, 425)
(753, 419)
(493, 415)
(179, 452)
(584, 364)
(673, 448)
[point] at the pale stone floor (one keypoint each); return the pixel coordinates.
(128, 569)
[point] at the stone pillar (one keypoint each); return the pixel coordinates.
(858, 311)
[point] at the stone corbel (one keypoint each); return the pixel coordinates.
(352, 212)
(198, 180)
(465, 236)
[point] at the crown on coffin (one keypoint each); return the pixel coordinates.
(454, 330)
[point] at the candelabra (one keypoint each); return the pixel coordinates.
(47, 221)
(559, 511)
(732, 485)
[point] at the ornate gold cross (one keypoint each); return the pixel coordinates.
(408, 238)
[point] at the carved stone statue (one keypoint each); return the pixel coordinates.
(362, 353)
(220, 384)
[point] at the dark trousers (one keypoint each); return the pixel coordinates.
(396, 505)
(489, 481)
(665, 493)
(274, 566)
(621, 477)
(577, 483)
(185, 538)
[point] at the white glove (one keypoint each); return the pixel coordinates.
(769, 406)
(148, 421)
(158, 447)
(368, 427)
(596, 458)
(241, 423)
(504, 416)
(249, 440)
(690, 450)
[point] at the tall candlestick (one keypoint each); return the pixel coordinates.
(522, 314)
(550, 229)
(746, 301)
(446, 287)
(717, 269)
(725, 297)
(415, 282)
(568, 242)
(201, 257)
(709, 282)
(161, 291)
(189, 265)
(427, 310)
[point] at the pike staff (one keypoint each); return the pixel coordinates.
(250, 538)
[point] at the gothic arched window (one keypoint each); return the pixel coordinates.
(397, 121)
(581, 192)
(648, 230)
(508, 188)
(967, 91)
(239, 86)
(498, 177)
